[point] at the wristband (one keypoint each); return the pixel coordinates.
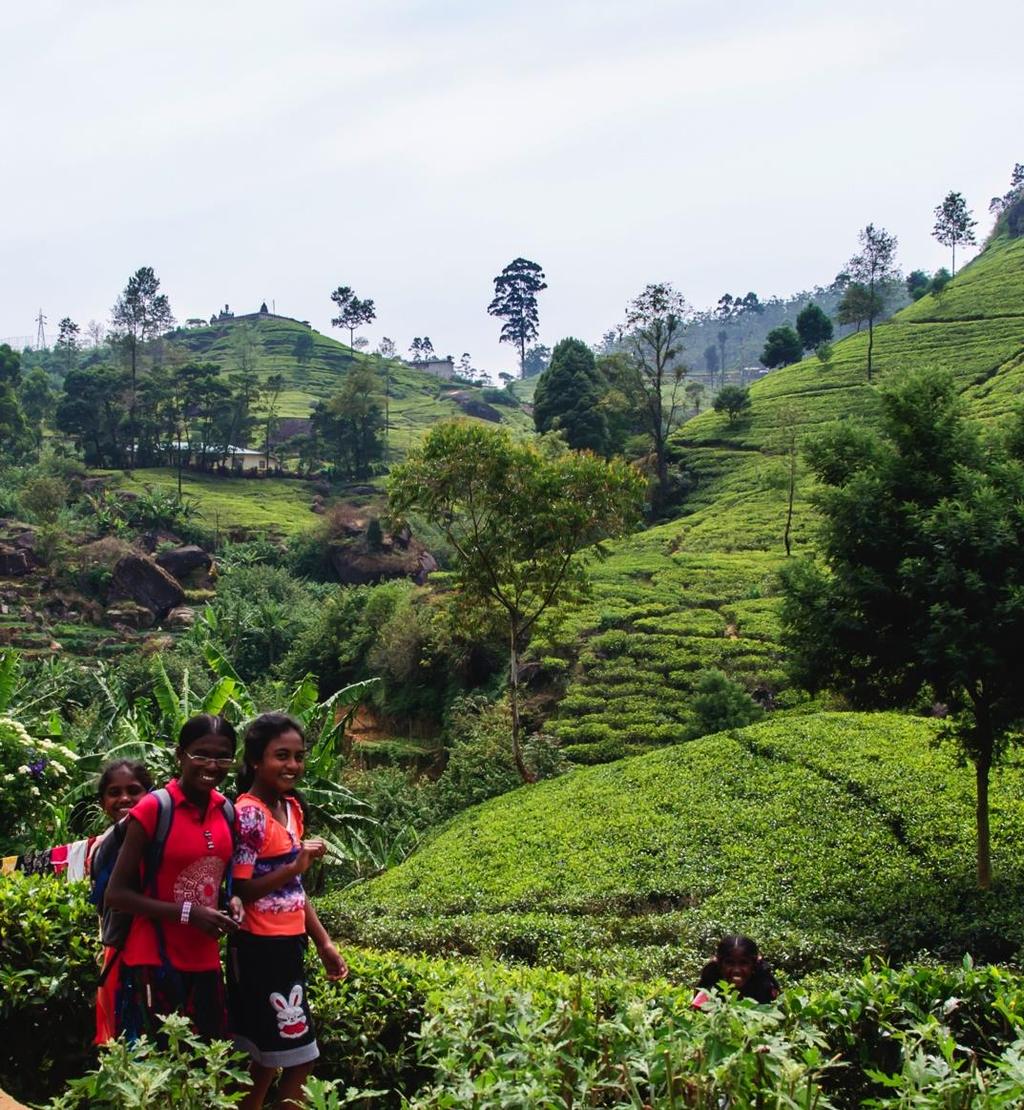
(186, 912)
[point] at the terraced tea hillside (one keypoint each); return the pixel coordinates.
(700, 592)
(827, 837)
(317, 370)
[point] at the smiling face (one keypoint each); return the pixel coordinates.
(205, 763)
(737, 968)
(120, 793)
(282, 763)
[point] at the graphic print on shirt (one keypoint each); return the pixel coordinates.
(291, 1020)
(253, 835)
(199, 882)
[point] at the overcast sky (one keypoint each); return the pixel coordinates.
(411, 149)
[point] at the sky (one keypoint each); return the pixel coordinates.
(410, 149)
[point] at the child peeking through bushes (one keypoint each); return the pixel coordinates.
(738, 963)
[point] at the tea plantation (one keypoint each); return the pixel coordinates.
(698, 593)
(829, 837)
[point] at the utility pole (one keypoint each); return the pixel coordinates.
(40, 331)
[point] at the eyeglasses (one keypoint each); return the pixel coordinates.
(209, 761)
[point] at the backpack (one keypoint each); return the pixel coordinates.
(116, 924)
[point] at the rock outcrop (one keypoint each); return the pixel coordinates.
(180, 562)
(138, 578)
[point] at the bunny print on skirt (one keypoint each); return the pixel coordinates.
(291, 1019)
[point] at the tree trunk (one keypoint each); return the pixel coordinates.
(982, 766)
(789, 508)
(871, 342)
(954, 259)
(513, 696)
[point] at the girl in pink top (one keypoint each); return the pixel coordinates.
(269, 1009)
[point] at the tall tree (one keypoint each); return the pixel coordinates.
(272, 389)
(873, 266)
(537, 359)
(711, 362)
(16, 438)
(349, 424)
(694, 394)
(352, 312)
(517, 520)
(302, 348)
(515, 302)
(568, 398)
(922, 588)
(954, 223)
(67, 341)
(813, 326)
(140, 314)
(653, 330)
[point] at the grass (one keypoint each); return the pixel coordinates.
(828, 836)
(276, 506)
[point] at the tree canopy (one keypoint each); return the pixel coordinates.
(920, 592)
(954, 224)
(568, 398)
(782, 347)
(518, 519)
(515, 302)
(874, 266)
(814, 327)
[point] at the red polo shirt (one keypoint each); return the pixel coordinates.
(194, 860)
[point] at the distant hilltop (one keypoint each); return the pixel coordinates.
(225, 314)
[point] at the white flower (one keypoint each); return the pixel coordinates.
(58, 768)
(35, 791)
(23, 769)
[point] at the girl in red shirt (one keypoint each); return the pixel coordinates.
(267, 995)
(171, 959)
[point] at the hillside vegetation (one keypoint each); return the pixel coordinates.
(417, 399)
(828, 837)
(701, 591)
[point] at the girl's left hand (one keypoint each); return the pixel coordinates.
(334, 962)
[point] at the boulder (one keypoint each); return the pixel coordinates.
(473, 406)
(181, 617)
(157, 538)
(180, 562)
(139, 579)
(14, 561)
(354, 565)
(127, 614)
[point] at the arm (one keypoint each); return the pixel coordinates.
(123, 890)
(334, 963)
(251, 890)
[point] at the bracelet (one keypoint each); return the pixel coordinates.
(186, 912)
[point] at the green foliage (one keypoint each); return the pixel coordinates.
(733, 400)
(43, 497)
(518, 520)
(814, 327)
(922, 539)
(32, 771)
(49, 950)
(719, 704)
(568, 396)
(859, 816)
(186, 1074)
(515, 302)
(782, 347)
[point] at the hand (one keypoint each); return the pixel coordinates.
(316, 846)
(308, 851)
(334, 962)
(236, 911)
(212, 922)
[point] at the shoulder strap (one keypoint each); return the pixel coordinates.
(229, 816)
(158, 841)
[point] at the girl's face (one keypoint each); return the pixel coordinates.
(282, 762)
(122, 791)
(737, 968)
(205, 763)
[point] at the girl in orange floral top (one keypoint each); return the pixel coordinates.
(266, 983)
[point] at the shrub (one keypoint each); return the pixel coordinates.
(186, 1074)
(719, 704)
(43, 498)
(31, 772)
(48, 971)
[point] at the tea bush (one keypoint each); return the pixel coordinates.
(49, 952)
(828, 837)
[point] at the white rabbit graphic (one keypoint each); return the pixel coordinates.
(291, 1021)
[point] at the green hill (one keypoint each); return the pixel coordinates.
(417, 399)
(827, 837)
(701, 591)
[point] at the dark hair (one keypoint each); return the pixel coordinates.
(735, 945)
(205, 724)
(136, 770)
(259, 734)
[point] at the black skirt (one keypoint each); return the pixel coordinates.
(267, 1005)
